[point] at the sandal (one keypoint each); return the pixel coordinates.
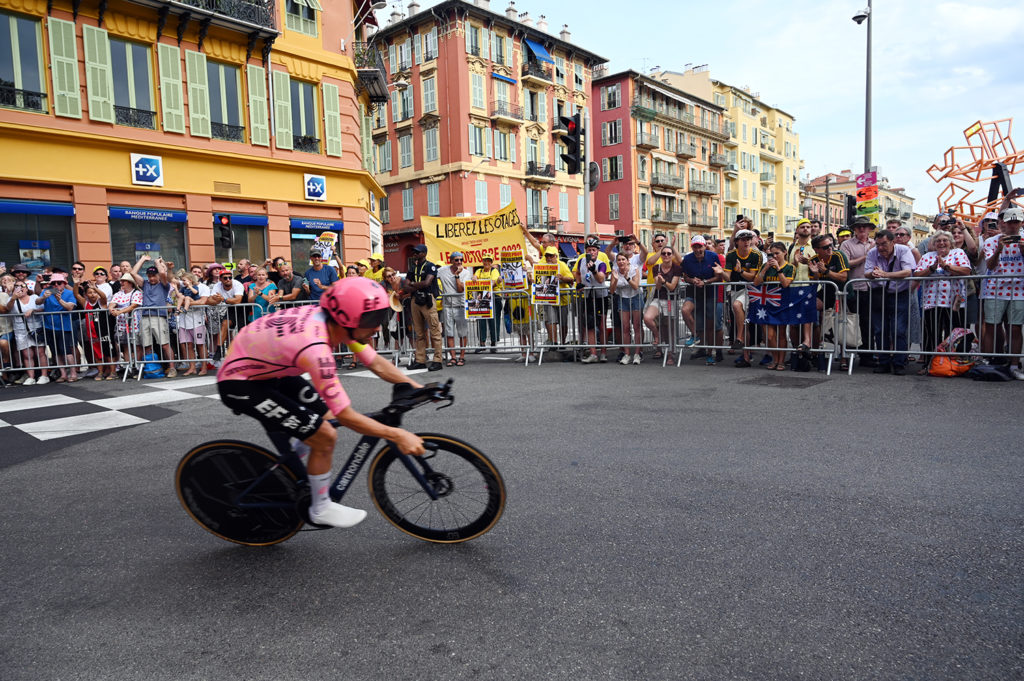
(780, 367)
(61, 380)
(450, 363)
(460, 362)
(772, 367)
(110, 377)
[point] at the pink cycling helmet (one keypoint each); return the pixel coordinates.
(356, 303)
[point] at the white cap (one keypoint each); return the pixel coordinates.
(991, 216)
(697, 239)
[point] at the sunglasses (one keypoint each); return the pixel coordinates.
(456, 259)
(77, 269)
(666, 252)
(101, 274)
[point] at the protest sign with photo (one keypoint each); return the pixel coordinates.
(474, 237)
(479, 300)
(545, 283)
(513, 273)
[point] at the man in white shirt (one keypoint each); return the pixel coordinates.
(231, 292)
(453, 278)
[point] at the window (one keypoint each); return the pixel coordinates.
(503, 145)
(406, 96)
(300, 16)
(641, 172)
(613, 206)
(473, 40)
(560, 70)
(481, 197)
(611, 132)
(559, 161)
(249, 243)
(563, 207)
(304, 117)
(21, 63)
(383, 154)
(645, 206)
(433, 198)
(579, 208)
(505, 194)
(611, 168)
(430, 95)
(479, 141)
(430, 147)
(476, 87)
(407, 212)
(405, 151)
(501, 92)
(431, 47)
(385, 211)
(579, 77)
(225, 102)
(611, 96)
(132, 80)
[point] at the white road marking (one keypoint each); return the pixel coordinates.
(76, 425)
(189, 382)
(37, 402)
(370, 374)
(144, 399)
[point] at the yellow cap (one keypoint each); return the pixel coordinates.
(377, 256)
(364, 262)
(802, 221)
(550, 250)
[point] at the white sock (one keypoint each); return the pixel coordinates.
(319, 486)
(300, 448)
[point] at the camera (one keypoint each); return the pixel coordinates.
(1015, 239)
(624, 239)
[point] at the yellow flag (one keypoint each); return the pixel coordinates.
(474, 237)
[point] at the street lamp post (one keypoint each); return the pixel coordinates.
(860, 17)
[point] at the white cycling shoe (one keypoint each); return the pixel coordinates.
(336, 515)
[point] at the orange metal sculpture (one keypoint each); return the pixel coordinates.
(988, 144)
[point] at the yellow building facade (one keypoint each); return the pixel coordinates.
(135, 127)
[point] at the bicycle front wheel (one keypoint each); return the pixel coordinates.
(241, 493)
(470, 491)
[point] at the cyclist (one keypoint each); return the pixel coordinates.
(261, 376)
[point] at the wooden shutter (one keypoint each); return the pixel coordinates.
(332, 118)
(392, 59)
(418, 47)
(494, 44)
(283, 110)
(67, 98)
(484, 43)
(258, 117)
(172, 103)
(198, 94)
(387, 154)
(395, 111)
(99, 81)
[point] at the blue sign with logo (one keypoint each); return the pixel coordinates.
(147, 170)
(315, 187)
(150, 214)
(317, 225)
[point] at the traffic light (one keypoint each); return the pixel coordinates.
(851, 209)
(573, 155)
(227, 239)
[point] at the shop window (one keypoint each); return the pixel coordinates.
(38, 240)
(130, 238)
(250, 243)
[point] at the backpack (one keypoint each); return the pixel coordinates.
(990, 372)
(151, 369)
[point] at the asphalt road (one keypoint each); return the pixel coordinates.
(687, 523)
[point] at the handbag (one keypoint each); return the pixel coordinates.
(846, 331)
(949, 366)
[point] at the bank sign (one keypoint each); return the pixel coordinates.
(147, 170)
(315, 187)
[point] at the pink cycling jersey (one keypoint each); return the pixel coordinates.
(291, 342)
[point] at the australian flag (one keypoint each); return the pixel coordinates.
(777, 306)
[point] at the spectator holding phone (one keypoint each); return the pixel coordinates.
(57, 299)
(28, 333)
(1003, 299)
(625, 283)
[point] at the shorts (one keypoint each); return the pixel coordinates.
(739, 296)
(997, 310)
(23, 339)
(60, 343)
(125, 337)
(9, 336)
(664, 306)
(196, 335)
(556, 314)
(155, 328)
(633, 304)
(455, 322)
(593, 311)
(290, 405)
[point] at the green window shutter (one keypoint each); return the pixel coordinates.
(283, 110)
(332, 118)
(67, 98)
(258, 116)
(170, 88)
(99, 80)
(314, 4)
(198, 94)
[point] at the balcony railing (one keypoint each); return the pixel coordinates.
(687, 150)
(259, 13)
(719, 160)
(535, 169)
(136, 118)
(535, 69)
(905, 215)
(372, 75)
(678, 217)
(473, 50)
(306, 143)
(646, 139)
(667, 217)
(667, 180)
(556, 125)
(768, 177)
(892, 211)
(703, 187)
(230, 133)
(507, 110)
(703, 220)
(26, 100)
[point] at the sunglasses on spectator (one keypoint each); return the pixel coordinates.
(666, 252)
(101, 274)
(77, 269)
(60, 283)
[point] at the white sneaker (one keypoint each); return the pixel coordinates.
(637, 358)
(624, 361)
(1017, 373)
(29, 381)
(589, 359)
(43, 380)
(336, 515)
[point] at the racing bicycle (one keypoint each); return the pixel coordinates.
(249, 495)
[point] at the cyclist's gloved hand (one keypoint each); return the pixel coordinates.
(400, 390)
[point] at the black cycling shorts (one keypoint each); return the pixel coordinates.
(287, 405)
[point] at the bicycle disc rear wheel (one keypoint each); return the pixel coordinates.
(211, 477)
(471, 493)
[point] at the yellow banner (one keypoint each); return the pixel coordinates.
(474, 237)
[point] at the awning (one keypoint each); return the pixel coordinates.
(671, 195)
(662, 156)
(504, 78)
(36, 208)
(568, 250)
(539, 52)
(671, 95)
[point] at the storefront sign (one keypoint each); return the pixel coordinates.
(150, 214)
(147, 170)
(317, 225)
(315, 187)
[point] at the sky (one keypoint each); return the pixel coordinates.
(937, 67)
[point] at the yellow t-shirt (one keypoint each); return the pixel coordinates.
(495, 277)
(377, 276)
